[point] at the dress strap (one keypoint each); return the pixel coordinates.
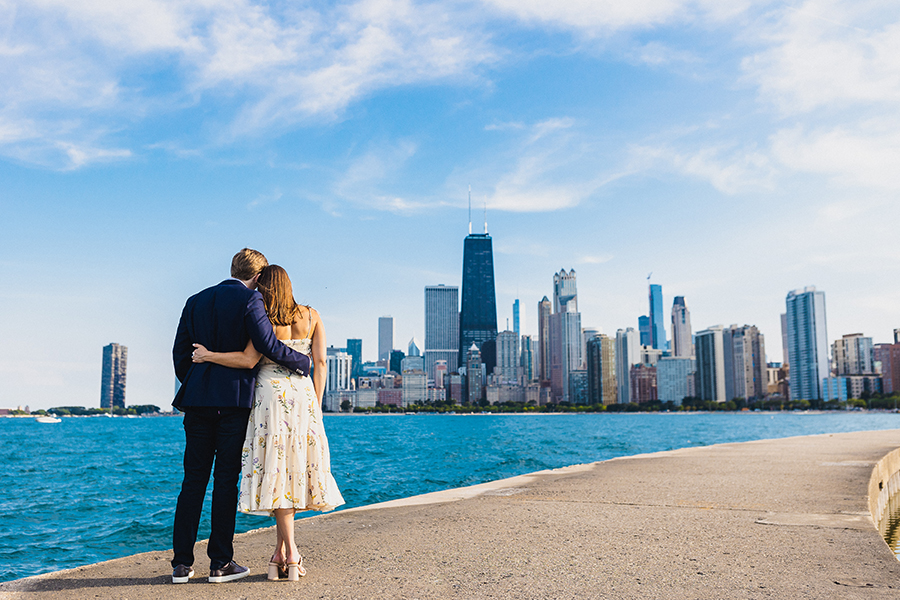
(309, 327)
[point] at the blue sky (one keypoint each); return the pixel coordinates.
(735, 150)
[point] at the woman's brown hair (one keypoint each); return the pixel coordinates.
(278, 295)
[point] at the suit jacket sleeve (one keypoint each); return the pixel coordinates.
(260, 329)
(183, 347)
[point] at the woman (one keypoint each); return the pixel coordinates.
(285, 464)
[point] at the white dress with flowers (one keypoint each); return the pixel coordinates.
(285, 463)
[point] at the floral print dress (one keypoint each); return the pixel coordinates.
(285, 462)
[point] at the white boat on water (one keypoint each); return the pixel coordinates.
(48, 420)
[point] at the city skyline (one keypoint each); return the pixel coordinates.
(724, 148)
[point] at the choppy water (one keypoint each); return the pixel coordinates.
(91, 489)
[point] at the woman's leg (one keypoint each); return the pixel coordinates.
(284, 526)
(284, 530)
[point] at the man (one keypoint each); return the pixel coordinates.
(216, 402)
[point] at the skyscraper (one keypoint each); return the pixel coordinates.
(385, 337)
(646, 337)
(853, 355)
(507, 356)
(566, 340)
(682, 343)
(354, 349)
(474, 380)
(112, 381)
(784, 340)
(527, 360)
(395, 361)
(807, 343)
(889, 357)
(601, 370)
(627, 354)
(478, 314)
(657, 329)
(565, 352)
(516, 327)
(441, 327)
(675, 377)
(565, 293)
(544, 312)
(744, 351)
(412, 349)
(710, 364)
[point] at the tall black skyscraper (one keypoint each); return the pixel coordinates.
(478, 313)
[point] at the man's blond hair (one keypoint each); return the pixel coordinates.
(247, 263)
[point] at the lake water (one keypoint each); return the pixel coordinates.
(92, 489)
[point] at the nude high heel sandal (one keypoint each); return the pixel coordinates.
(276, 571)
(295, 571)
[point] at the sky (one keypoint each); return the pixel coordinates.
(731, 151)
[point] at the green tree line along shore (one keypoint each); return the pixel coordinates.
(875, 402)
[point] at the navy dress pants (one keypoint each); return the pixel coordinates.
(211, 434)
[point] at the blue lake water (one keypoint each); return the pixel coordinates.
(92, 489)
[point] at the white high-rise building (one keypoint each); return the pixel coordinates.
(338, 364)
(627, 354)
(807, 343)
(565, 352)
(853, 354)
(675, 379)
(385, 337)
(441, 327)
(507, 357)
(682, 343)
(565, 293)
(414, 384)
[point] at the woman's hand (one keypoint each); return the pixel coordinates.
(200, 353)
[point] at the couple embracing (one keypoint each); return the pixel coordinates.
(243, 353)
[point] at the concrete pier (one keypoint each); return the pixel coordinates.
(786, 518)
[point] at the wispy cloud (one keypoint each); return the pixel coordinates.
(368, 178)
(828, 54)
(605, 16)
(85, 64)
(265, 199)
(550, 166)
(596, 259)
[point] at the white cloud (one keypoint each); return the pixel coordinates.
(264, 199)
(866, 154)
(80, 156)
(85, 63)
(829, 54)
(595, 259)
(600, 16)
(728, 168)
(550, 166)
(364, 180)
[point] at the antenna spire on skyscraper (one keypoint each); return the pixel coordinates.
(485, 215)
(470, 209)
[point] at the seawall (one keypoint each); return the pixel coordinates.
(788, 518)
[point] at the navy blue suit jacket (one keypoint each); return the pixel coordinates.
(223, 318)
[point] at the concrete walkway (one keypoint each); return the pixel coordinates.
(771, 519)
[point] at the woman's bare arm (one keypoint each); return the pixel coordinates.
(236, 360)
(319, 351)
